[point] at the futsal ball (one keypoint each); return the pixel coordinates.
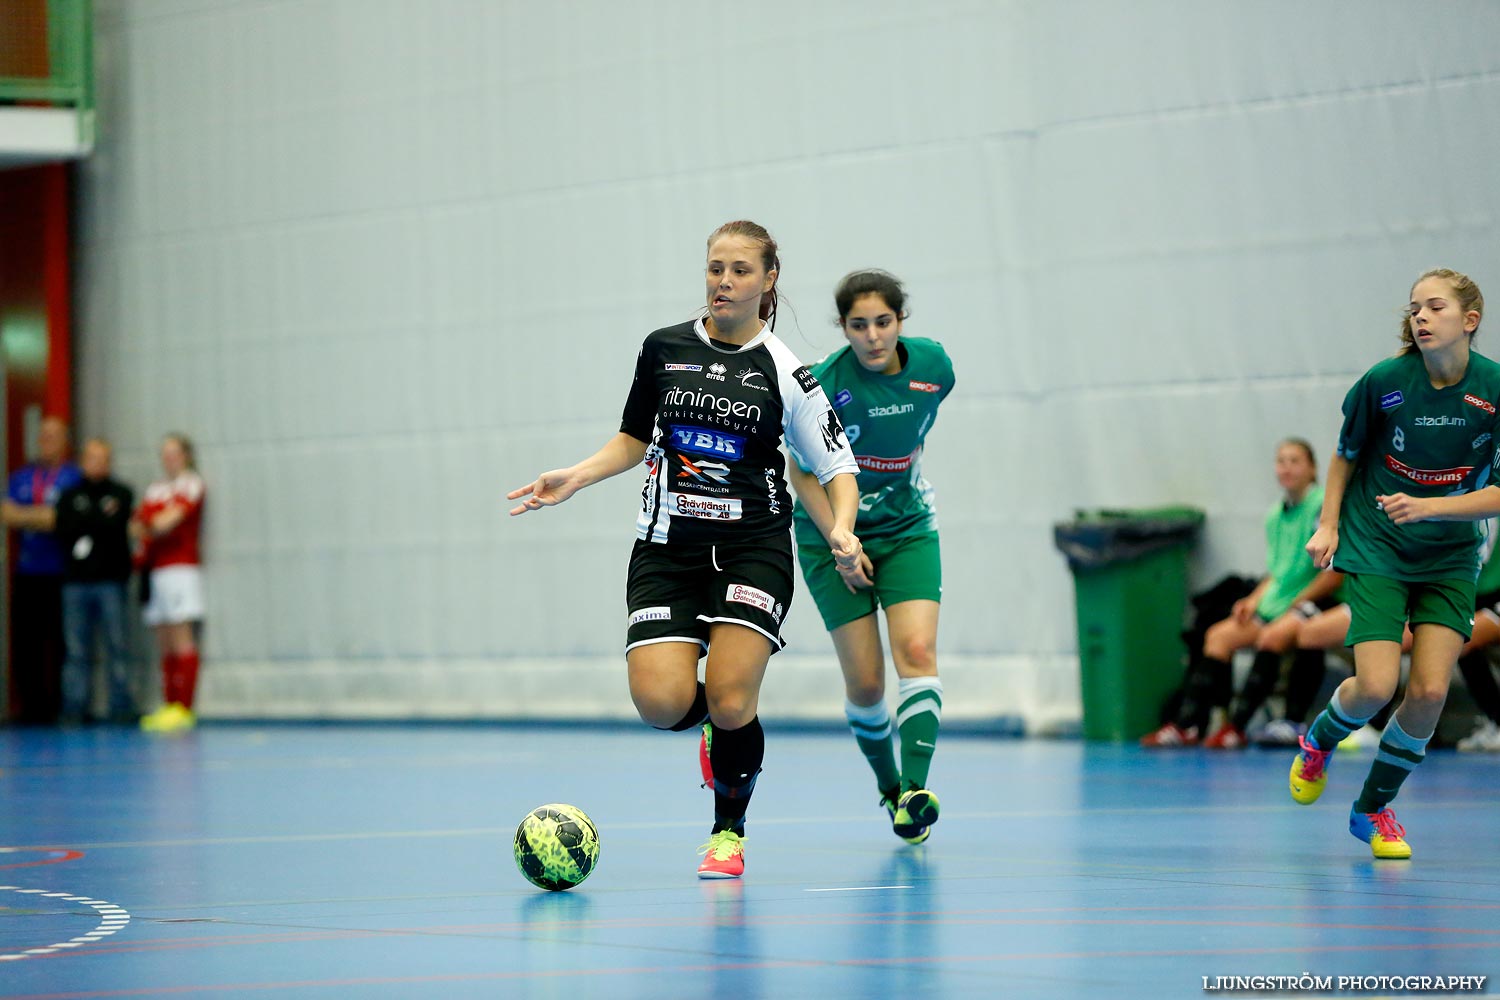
(556, 846)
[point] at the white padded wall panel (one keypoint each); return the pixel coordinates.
(889, 74)
(386, 260)
(1096, 58)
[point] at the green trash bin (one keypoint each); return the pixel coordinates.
(1130, 579)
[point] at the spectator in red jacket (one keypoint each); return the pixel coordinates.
(167, 527)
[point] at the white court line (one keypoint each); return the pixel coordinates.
(111, 919)
(860, 888)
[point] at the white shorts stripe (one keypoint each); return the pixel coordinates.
(694, 640)
(780, 642)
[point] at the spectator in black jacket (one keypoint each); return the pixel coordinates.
(92, 520)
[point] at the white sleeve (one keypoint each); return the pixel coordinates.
(810, 425)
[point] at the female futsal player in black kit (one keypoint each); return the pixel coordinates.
(712, 568)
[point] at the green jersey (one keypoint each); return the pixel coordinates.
(886, 418)
(1289, 567)
(1404, 436)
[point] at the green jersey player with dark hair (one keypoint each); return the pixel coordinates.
(886, 389)
(1412, 475)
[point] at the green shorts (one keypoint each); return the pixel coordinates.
(1380, 607)
(907, 568)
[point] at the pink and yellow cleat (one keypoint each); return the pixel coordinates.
(724, 856)
(1309, 772)
(1386, 837)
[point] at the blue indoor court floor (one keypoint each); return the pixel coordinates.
(361, 861)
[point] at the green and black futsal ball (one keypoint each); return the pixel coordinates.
(556, 846)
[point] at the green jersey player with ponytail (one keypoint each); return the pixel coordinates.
(1415, 468)
(886, 389)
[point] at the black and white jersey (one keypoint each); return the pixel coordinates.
(713, 417)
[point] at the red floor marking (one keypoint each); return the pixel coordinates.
(60, 854)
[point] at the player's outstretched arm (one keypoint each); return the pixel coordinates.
(549, 489)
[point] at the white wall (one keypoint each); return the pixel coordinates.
(386, 260)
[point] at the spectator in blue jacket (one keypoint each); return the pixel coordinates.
(36, 598)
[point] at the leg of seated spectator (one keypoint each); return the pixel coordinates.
(1207, 675)
(1227, 637)
(1309, 667)
(1223, 640)
(1479, 677)
(1326, 630)
(1272, 643)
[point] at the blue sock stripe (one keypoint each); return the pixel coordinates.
(1399, 739)
(861, 731)
(1340, 720)
(1343, 717)
(874, 716)
(1403, 759)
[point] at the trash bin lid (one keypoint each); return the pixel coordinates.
(1104, 537)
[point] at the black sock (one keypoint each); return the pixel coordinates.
(1303, 683)
(1202, 692)
(736, 756)
(696, 716)
(1480, 680)
(1264, 673)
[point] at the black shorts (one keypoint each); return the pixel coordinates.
(674, 592)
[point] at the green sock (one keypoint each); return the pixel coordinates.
(1398, 756)
(1333, 724)
(918, 718)
(872, 731)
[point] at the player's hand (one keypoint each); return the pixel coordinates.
(860, 576)
(1324, 543)
(1243, 610)
(1402, 509)
(547, 490)
(845, 547)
